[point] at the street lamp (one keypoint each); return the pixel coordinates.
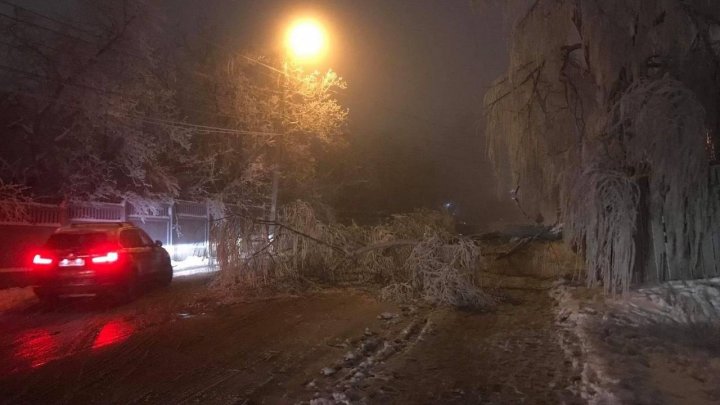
(306, 40)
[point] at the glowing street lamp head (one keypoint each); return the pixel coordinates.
(306, 39)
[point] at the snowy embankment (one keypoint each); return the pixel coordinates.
(574, 320)
(616, 342)
(683, 302)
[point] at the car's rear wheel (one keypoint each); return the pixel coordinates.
(166, 275)
(47, 298)
(129, 289)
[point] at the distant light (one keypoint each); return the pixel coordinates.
(306, 39)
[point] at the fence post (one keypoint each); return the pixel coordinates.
(124, 216)
(63, 212)
(208, 221)
(171, 227)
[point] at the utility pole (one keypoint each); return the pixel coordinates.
(276, 153)
(305, 40)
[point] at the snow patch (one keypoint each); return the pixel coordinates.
(193, 265)
(584, 325)
(575, 339)
(683, 302)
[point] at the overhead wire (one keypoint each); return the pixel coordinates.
(41, 77)
(46, 17)
(64, 34)
(147, 119)
(157, 121)
(130, 98)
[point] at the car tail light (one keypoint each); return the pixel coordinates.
(109, 257)
(42, 259)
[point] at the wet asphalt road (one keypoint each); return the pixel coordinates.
(181, 345)
(33, 335)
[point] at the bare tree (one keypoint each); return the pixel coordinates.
(83, 101)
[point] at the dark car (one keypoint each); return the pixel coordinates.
(116, 259)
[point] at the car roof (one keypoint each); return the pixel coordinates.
(84, 227)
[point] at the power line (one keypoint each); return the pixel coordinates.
(149, 120)
(37, 77)
(20, 46)
(160, 121)
(257, 61)
(33, 12)
(66, 35)
(42, 27)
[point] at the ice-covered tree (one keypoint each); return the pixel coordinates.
(286, 118)
(606, 116)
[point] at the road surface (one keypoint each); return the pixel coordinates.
(180, 345)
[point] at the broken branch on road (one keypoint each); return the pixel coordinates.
(414, 256)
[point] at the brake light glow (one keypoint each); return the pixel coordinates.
(110, 257)
(41, 260)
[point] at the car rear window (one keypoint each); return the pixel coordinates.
(76, 240)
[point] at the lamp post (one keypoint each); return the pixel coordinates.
(305, 41)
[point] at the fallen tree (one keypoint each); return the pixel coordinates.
(409, 257)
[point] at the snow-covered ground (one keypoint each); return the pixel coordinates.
(658, 344)
(573, 319)
(193, 265)
(682, 302)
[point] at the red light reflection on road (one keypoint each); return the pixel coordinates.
(113, 332)
(37, 347)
